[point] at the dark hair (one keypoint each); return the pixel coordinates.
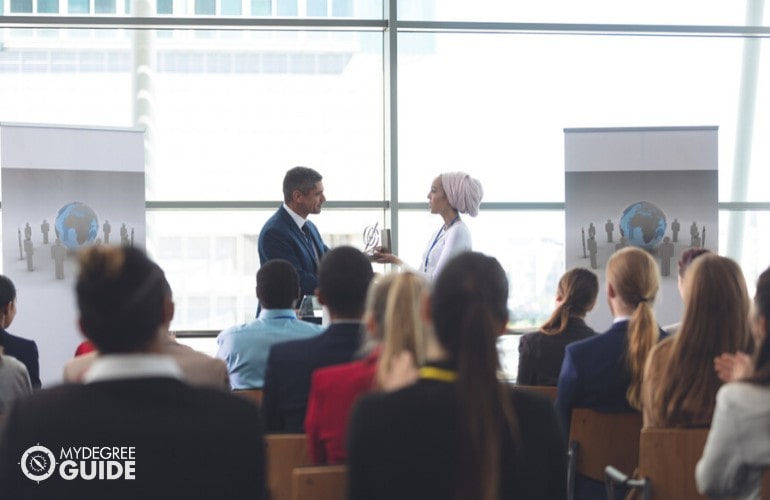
(277, 284)
(120, 295)
(469, 307)
(578, 289)
(762, 308)
(7, 291)
(688, 256)
(299, 178)
(343, 279)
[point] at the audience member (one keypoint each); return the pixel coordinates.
(245, 347)
(541, 352)
(393, 322)
(20, 348)
(605, 372)
(680, 385)
(184, 442)
(685, 260)
(458, 432)
(198, 369)
(343, 278)
(738, 446)
(14, 380)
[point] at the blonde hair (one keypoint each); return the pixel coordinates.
(633, 274)
(402, 326)
(715, 321)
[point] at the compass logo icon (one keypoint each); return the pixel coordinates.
(38, 463)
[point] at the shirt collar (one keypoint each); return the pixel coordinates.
(128, 366)
(277, 313)
(618, 319)
(298, 219)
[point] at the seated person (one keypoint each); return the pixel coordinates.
(680, 385)
(458, 432)
(199, 369)
(245, 347)
(343, 278)
(393, 322)
(172, 440)
(685, 260)
(604, 372)
(541, 352)
(738, 446)
(22, 349)
(14, 380)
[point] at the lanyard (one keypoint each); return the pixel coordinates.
(440, 374)
(435, 240)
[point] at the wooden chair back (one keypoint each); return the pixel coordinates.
(254, 395)
(764, 488)
(603, 439)
(545, 390)
(326, 482)
(667, 458)
(284, 452)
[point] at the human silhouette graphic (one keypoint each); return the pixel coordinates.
(58, 254)
(593, 249)
(609, 227)
(29, 249)
(666, 253)
(106, 228)
(44, 228)
(675, 227)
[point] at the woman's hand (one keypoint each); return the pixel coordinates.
(731, 367)
(381, 257)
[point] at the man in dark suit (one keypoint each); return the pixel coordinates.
(343, 281)
(134, 429)
(289, 235)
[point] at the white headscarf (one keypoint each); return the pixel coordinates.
(463, 192)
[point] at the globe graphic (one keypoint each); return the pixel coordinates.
(643, 224)
(76, 225)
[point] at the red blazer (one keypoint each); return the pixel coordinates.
(333, 391)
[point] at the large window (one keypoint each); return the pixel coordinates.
(237, 92)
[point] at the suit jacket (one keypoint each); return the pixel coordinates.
(333, 391)
(594, 374)
(289, 368)
(199, 369)
(541, 355)
(405, 445)
(25, 351)
(189, 443)
(280, 238)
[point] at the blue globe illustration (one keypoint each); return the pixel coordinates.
(76, 225)
(643, 224)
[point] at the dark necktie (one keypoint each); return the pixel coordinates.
(309, 238)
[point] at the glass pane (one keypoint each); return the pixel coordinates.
(496, 105)
(211, 259)
(237, 115)
(104, 6)
(78, 7)
(205, 7)
(343, 8)
(47, 6)
(287, 8)
(231, 7)
(261, 7)
(21, 6)
(686, 12)
(165, 6)
(316, 8)
(528, 244)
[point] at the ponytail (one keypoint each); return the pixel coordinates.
(642, 336)
(578, 289)
(557, 323)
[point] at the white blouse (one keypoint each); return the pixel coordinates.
(442, 246)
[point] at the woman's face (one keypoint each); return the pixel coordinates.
(437, 197)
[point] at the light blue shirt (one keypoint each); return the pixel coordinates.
(244, 348)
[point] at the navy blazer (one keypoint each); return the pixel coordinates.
(280, 238)
(290, 366)
(25, 351)
(594, 374)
